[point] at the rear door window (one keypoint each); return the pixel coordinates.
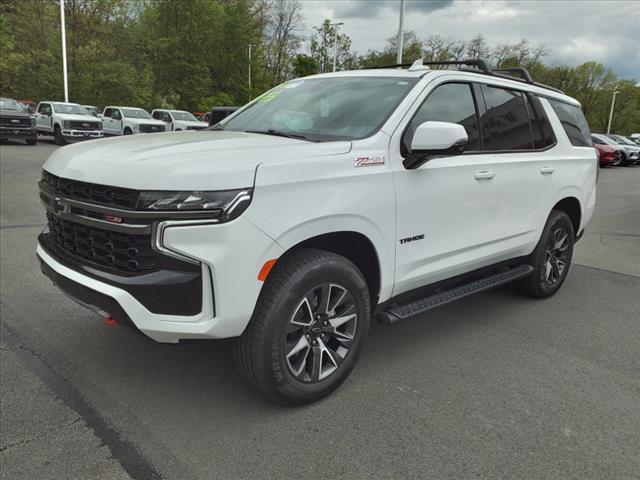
(505, 124)
(573, 122)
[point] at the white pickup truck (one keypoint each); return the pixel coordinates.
(178, 120)
(67, 122)
(129, 120)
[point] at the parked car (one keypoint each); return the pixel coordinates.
(129, 120)
(608, 156)
(601, 139)
(16, 122)
(325, 202)
(631, 150)
(66, 122)
(93, 110)
(178, 120)
(217, 114)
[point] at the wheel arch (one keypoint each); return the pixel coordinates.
(572, 207)
(354, 246)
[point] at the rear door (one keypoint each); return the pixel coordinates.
(445, 208)
(517, 131)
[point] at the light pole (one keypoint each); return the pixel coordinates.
(64, 52)
(613, 102)
(335, 42)
(400, 34)
(250, 46)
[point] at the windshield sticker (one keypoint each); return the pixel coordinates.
(368, 161)
(267, 97)
(293, 84)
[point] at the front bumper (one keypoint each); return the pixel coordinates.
(230, 257)
(20, 133)
(76, 135)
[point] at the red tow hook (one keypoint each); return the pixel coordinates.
(110, 321)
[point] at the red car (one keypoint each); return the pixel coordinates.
(607, 155)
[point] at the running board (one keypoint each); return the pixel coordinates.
(395, 313)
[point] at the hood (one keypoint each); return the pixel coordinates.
(76, 117)
(146, 121)
(14, 114)
(191, 160)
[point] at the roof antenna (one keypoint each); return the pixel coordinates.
(418, 66)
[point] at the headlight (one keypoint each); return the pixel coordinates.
(66, 124)
(33, 121)
(100, 125)
(224, 205)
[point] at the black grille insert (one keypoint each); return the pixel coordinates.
(15, 121)
(102, 194)
(88, 125)
(150, 128)
(124, 253)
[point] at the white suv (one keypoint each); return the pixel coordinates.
(66, 122)
(178, 120)
(325, 202)
(129, 120)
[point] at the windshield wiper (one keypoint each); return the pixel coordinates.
(278, 133)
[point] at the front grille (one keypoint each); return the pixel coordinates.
(121, 252)
(104, 195)
(11, 122)
(81, 125)
(150, 128)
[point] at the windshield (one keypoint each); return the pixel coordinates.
(180, 115)
(10, 104)
(603, 140)
(323, 109)
(135, 113)
(91, 110)
(72, 108)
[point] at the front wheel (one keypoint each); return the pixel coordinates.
(308, 328)
(57, 135)
(552, 257)
(127, 131)
(31, 141)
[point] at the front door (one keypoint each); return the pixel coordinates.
(446, 209)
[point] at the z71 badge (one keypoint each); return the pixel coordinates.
(368, 161)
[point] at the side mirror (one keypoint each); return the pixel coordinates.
(435, 139)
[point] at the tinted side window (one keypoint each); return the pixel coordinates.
(573, 122)
(505, 124)
(451, 102)
(107, 112)
(543, 135)
(157, 115)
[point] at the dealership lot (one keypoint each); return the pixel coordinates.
(493, 386)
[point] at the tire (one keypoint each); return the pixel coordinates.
(287, 352)
(551, 258)
(31, 141)
(57, 135)
(127, 131)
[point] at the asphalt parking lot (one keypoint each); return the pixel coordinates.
(494, 386)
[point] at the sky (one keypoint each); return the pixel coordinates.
(574, 31)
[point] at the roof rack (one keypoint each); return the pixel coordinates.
(522, 73)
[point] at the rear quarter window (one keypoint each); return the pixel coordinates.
(573, 122)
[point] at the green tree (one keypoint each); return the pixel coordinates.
(304, 65)
(322, 47)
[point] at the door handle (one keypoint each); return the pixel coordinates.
(547, 170)
(484, 175)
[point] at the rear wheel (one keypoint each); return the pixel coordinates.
(57, 135)
(307, 329)
(31, 141)
(552, 257)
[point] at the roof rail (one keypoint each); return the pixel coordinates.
(522, 73)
